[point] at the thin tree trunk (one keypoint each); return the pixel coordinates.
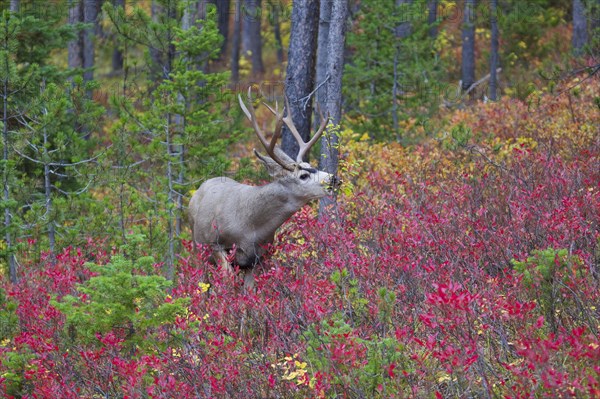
(335, 69)
(117, 55)
(432, 18)
(300, 75)
(494, 50)
(156, 56)
(90, 17)
(252, 30)
(277, 32)
(468, 45)
(322, 55)
(404, 29)
(75, 56)
(580, 32)
(12, 264)
(236, 42)
(48, 195)
(223, 21)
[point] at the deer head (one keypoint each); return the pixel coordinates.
(226, 214)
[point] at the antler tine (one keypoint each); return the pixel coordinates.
(269, 146)
(318, 134)
(304, 147)
(290, 124)
(278, 123)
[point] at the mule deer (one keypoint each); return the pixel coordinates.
(229, 215)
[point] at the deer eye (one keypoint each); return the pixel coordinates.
(304, 176)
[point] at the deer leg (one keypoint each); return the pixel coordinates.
(249, 279)
(221, 260)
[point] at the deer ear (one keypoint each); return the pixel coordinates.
(273, 168)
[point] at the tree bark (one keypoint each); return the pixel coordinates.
(236, 42)
(156, 56)
(468, 45)
(404, 29)
(276, 11)
(322, 55)
(580, 32)
(117, 55)
(90, 17)
(494, 51)
(223, 21)
(432, 18)
(300, 75)
(14, 6)
(252, 15)
(335, 69)
(75, 56)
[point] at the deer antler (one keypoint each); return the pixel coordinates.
(269, 146)
(304, 146)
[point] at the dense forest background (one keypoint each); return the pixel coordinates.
(467, 136)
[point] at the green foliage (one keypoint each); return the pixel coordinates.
(545, 273)
(348, 289)
(390, 79)
(124, 298)
(368, 374)
(175, 135)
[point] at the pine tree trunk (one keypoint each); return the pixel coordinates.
(404, 29)
(300, 75)
(432, 18)
(117, 55)
(468, 45)
(580, 32)
(75, 56)
(223, 21)
(335, 69)
(322, 55)
(252, 33)
(236, 42)
(90, 17)
(494, 51)
(156, 56)
(277, 33)
(6, 145)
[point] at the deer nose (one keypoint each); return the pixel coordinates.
(335, 182)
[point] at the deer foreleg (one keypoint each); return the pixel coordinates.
(221, 260)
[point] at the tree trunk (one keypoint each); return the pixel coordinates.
(494, 51)
(432, 18)
(595, 22)
(335, 69)
(117, 55)
(277, 31)
(404, 29)
(75, 56)
(90, 17)
(580, 32)
(223, 21)
(252, 25)
(300, 75)
(468, 45)
(6, 145)
(156, 56)
(14, 6)
(321, 73)
(236, 42)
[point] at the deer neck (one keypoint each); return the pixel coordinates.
(275, 205)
